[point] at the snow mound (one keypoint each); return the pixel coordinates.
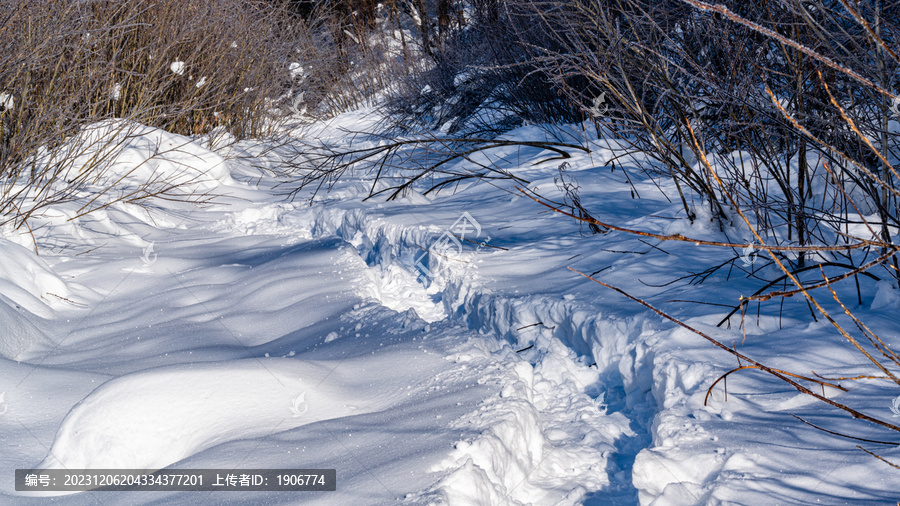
(27, 281)
(129, 152)
(154, 418)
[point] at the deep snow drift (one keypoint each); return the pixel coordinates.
(261, 333)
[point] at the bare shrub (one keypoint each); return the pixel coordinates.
(780, 116)
(185, 67)
(671, 74)
(478, 77)
(350, 52)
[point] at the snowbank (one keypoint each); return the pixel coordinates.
(154, 418)
(121, 153)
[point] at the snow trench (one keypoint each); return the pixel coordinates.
(577, 406)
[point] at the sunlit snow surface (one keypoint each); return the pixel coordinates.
(262, 333)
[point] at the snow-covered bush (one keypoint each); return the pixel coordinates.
(781, 117)
(791, 102)
(185, 67)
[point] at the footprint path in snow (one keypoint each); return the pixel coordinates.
(542, 436)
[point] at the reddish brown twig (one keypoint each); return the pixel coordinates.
(739, 355)
(725, 376)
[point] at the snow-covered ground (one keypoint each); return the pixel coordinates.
(262, 333)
